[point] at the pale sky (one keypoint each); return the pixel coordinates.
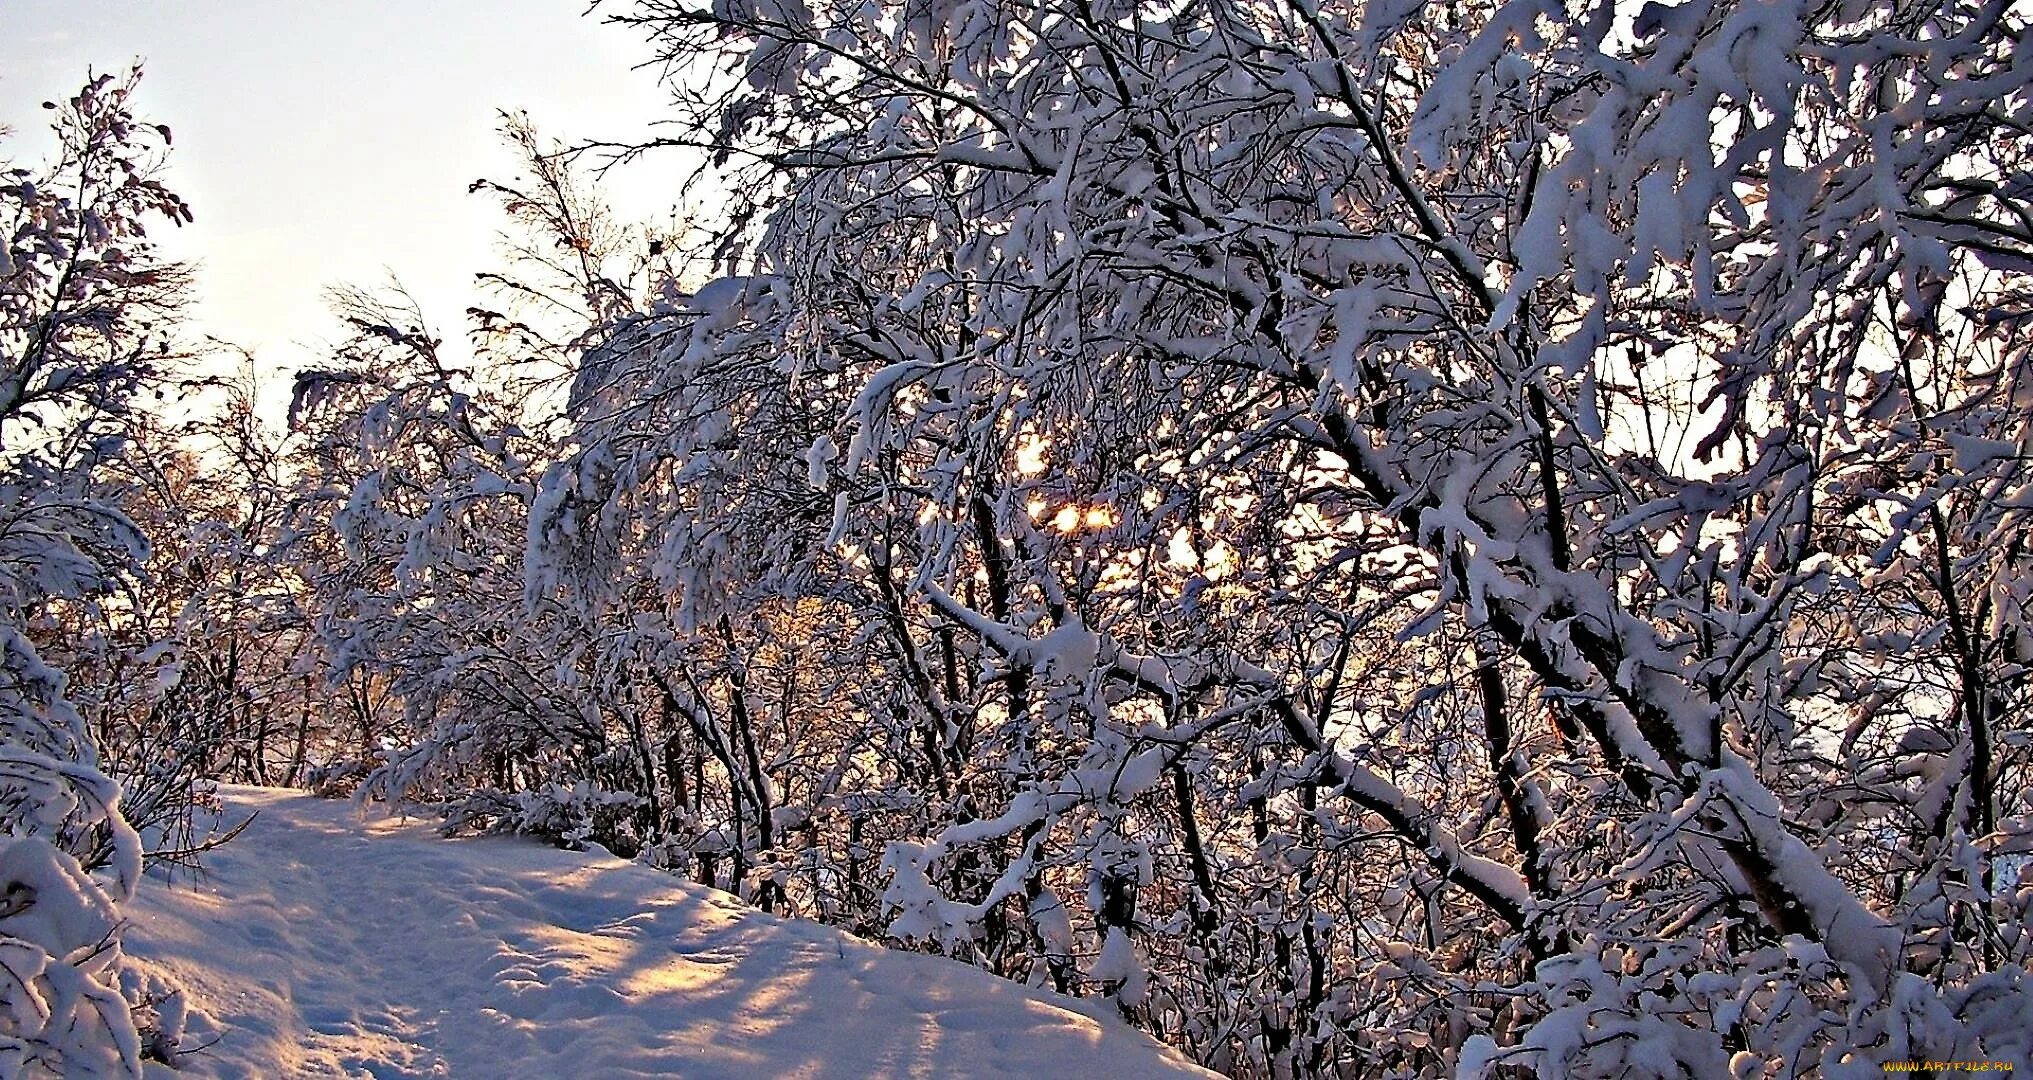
(324, 142)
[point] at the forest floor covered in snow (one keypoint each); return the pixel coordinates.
(325, 943)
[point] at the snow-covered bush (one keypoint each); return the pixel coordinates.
(60, 957)
(568, 816)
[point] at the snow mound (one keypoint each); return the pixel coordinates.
(324, 944)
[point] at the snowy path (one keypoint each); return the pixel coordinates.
(329, 946)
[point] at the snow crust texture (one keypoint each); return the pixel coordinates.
(326, 944)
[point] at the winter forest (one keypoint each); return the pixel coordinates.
(1471, 538)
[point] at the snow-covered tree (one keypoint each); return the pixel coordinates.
(402, 533)
(192, 670)
(86, 313)
(1558, 470)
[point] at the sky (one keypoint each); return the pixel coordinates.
(333, 142)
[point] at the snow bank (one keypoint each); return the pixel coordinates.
(320, 944)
